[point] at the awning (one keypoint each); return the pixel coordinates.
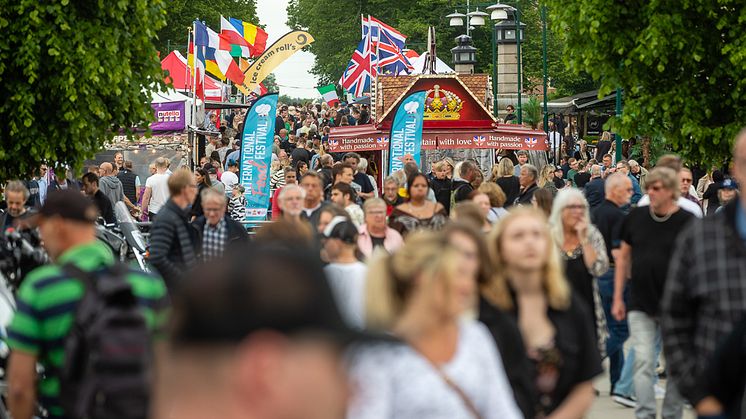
(505, 137)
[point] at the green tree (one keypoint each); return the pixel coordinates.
(681, 64)
(271, 83)
(337, 34)
(181, 14)
(72, 74)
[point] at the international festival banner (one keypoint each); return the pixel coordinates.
(280, 51)
(256, 155)
(406, 131)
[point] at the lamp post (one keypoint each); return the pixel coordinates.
(506, 31)
(617, 137)
(544, 64)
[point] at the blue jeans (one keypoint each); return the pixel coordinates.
(618, 330)
(645, 333)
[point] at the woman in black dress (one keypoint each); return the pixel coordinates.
(502, 174)
(558, 336)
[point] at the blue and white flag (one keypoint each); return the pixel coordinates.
(406, 131)
(256, 155)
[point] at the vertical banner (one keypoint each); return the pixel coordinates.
(406, 131)
(256, 155)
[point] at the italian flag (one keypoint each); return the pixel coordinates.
(329, 93)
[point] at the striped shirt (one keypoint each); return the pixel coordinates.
(47, 301)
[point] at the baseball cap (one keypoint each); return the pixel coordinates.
(556, 168)
(258, 287)
(341, 228)
(729, 184)
(70, 205)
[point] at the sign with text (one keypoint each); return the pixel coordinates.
(406, 131)
(256, 155)
(281, 50)
(169, 116)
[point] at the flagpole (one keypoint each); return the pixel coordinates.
(187, 82)
(194, 74)
(195, 58)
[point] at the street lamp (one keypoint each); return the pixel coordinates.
(456, 19)
(476, 18)
(498, 11)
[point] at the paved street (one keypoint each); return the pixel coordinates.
(605, 408)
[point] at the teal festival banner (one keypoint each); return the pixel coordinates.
(406, 131)
(256, 155)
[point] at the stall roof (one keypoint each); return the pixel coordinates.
(579, 102)
(211, 104)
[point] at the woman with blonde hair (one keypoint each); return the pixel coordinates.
(505, 179)
(448, 366)
(546, 179)
(583, 252)
(497, 200)
(528, 285)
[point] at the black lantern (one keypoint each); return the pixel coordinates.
(464, 52)
(506, 31)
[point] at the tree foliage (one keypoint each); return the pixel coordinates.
(337, 32)
(71, 74)
(181, 14)
(681, 64)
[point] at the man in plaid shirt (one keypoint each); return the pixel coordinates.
(705, 294)
(216, 228)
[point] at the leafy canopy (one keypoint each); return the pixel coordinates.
(71, 74)
(181, 14)
(681, 64)
(337, 33)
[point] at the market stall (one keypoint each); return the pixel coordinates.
(457, 122)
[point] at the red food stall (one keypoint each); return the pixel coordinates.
(456, 117)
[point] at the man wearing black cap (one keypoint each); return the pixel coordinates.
(257, 335)
(48, 298)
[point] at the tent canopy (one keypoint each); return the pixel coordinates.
(170, 95)
(180, 76)
(419, 65)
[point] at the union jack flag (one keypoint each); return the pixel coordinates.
(531, 142)
(382, 140)
(387, 47)
(356, 78)
(333, 143)
(479, 139)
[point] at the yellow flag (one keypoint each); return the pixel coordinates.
(280, 51)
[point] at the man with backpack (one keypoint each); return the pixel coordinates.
(82, 318)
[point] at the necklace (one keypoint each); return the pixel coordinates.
(418, 210)
(658, 219)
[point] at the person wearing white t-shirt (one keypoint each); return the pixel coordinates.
(229, 177)
(346, 274)
(156, 189)
(674, 162)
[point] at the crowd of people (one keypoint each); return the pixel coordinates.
(458, 291)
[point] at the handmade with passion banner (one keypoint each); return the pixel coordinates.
(256, 155)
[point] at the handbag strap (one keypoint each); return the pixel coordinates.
(470, 406)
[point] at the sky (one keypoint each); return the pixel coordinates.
(294, 75)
